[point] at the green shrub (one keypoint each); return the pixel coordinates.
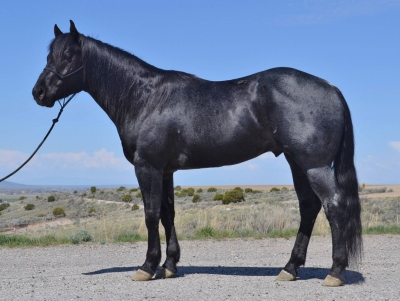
(238, 188)
(206, 232)
(139, 194)
(29, 207)
(232, 196)
(92, 210)
(22, 198)
(274, 189)
(212, 189)
(177, 188)
(41, 215)
(248, 190)
(75, 192)
(4, 206)
(133, 189)
(190, 191)
(284, 189)
(58, 211)
(51, 198)
(218, 197)
(196, 198)
(122, 188)
(257, 191)
(93, 189)
(127, 198)
(200, 190)
(80, 236)
(182, 193)
(135, 207)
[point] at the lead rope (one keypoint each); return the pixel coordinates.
(63, 105)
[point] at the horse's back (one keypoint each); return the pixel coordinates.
(208, 124)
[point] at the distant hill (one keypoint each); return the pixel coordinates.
(12, 185)
(7, 185)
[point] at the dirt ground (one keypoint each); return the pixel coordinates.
(208, 270)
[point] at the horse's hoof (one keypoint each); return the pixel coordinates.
(141, 275)
(164, 273)
(332, 281)
(285, 276)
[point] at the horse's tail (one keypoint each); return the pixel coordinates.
(346, 177)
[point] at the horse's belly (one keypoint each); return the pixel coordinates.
(216, 155)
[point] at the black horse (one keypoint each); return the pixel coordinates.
(170, 120)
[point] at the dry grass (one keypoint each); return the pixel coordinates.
(264, 214)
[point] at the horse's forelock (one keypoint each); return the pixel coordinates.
(57, 45)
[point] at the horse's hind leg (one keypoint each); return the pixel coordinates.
(167, 219)
(310, 205)
(334, 201)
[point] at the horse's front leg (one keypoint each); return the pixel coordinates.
(150, 181)
(167, 219)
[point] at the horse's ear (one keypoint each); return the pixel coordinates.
(73, 31)
(57, 31)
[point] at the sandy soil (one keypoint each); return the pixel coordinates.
(36, 226)
(208, 270)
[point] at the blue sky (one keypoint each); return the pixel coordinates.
(353, 44)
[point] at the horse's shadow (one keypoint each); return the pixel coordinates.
(305, 273)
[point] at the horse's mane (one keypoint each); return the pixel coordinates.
(125, 79)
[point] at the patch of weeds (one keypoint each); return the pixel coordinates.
(12, 241)
(82, 235)
(92, 210)
(383, 229)
(128, 237)
(282, 233)
(244, 233)
(206, 232)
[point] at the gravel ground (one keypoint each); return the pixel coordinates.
(209, 270)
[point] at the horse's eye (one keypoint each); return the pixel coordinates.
(67, 56)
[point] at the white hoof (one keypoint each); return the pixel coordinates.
(332, 281)
(285, 276)
(141, 275)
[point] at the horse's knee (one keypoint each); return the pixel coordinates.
(152, 218)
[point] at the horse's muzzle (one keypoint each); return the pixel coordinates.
(39, 94)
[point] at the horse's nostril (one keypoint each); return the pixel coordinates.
(39, 93)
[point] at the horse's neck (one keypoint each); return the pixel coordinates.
(116, 80)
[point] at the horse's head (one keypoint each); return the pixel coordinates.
(63, 74)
